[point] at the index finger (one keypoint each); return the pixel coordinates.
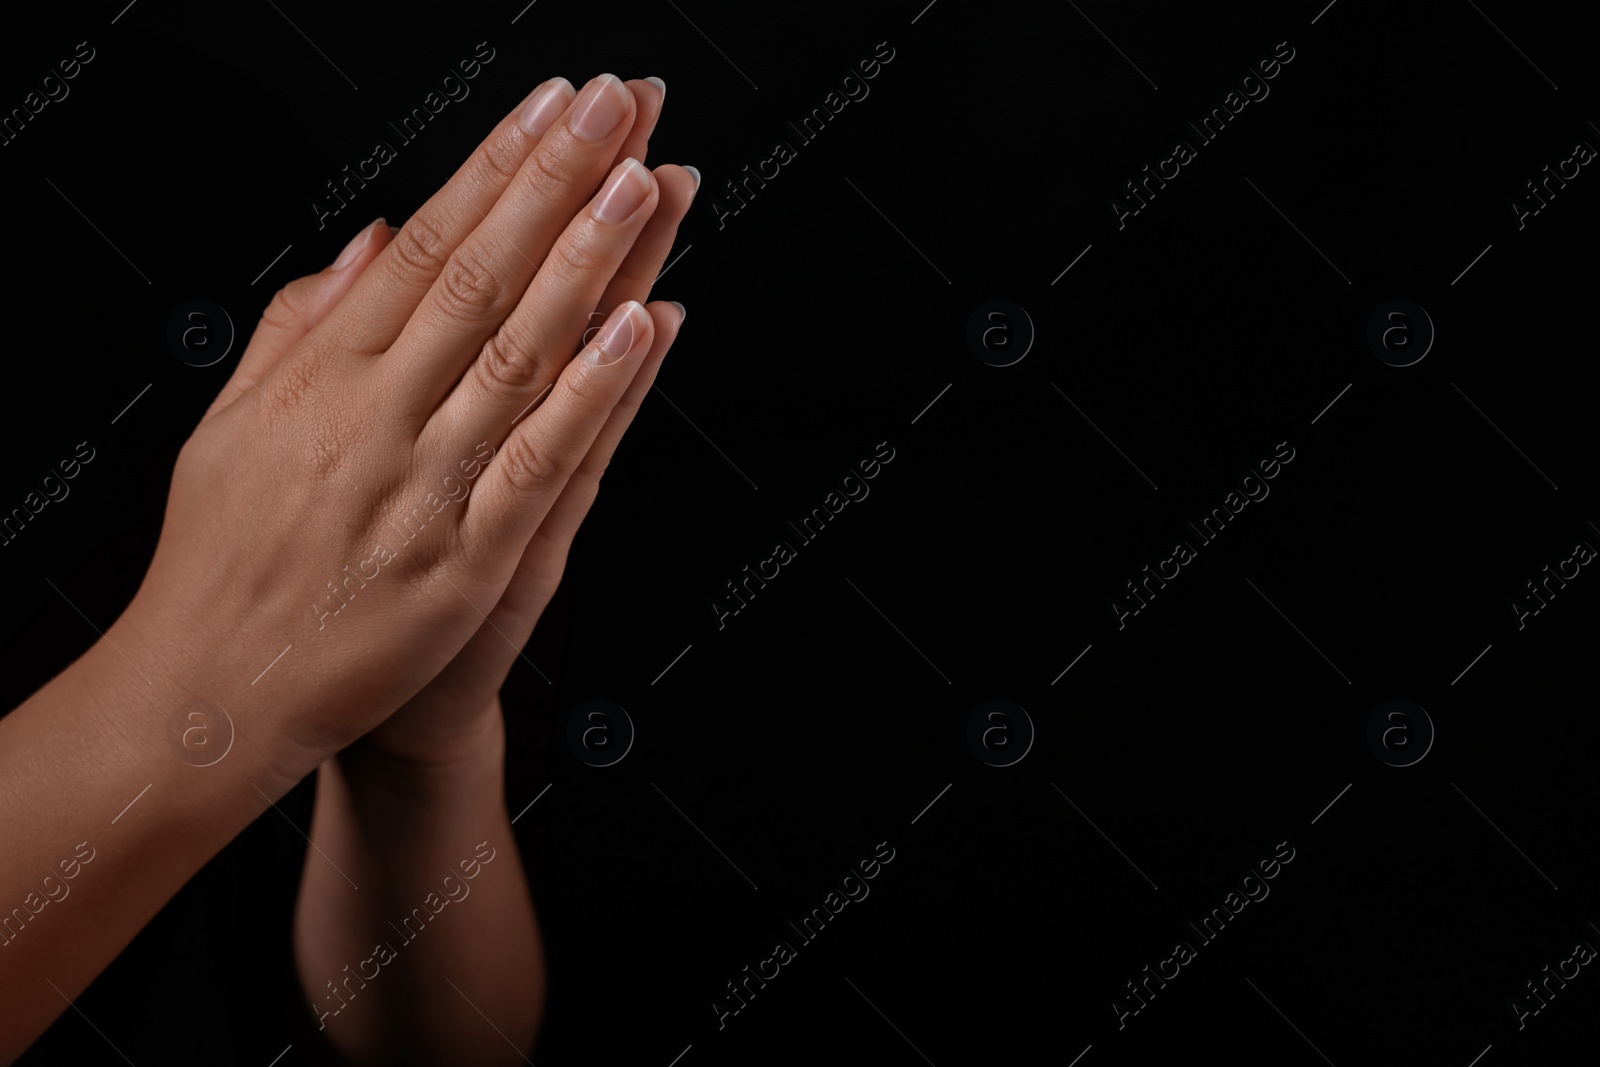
(383, 299)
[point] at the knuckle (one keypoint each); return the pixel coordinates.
(419, 247)
(498, 162)
(287, 307)
(290, 388)
(579, 253)
(505, 369)
(529, 465)
(584, 392)
(551, 175)
(468, 287)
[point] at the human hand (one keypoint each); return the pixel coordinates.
(363, 484)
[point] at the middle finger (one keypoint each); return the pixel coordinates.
(486, 274)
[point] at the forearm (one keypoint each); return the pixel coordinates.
(105, 820)
(442, 926)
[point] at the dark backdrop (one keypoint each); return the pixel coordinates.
(845, 308)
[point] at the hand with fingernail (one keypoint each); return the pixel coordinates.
(377, 508)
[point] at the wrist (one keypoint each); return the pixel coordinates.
(156, 675)
(465, 766)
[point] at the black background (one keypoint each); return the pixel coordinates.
(824, 318)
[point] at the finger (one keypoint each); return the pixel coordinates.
(296, 308)
(522, 481)
(487, 273)
(648, 96)
(537, 339)
(545, 558)
(637, 275)
(493, 649)
(386, 298)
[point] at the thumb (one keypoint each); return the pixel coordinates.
(296, 308)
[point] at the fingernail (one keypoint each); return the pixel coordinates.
(544, 105)
(394, 231)
(357, 243)
(683, 312)
(694, 172)
(600, 108)
(617, 338)
(659, 84)
(626, 190)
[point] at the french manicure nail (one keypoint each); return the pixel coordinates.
(659, 84)
(544, 105)
(683, 312)
(627, 189)
(694, 172)
(617, 338)
(600, 108)
(356, 245)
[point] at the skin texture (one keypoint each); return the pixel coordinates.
(382, 496)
